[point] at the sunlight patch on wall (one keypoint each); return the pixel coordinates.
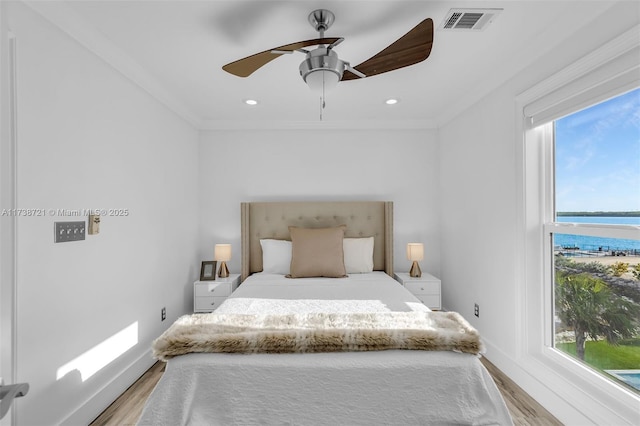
(102, 354)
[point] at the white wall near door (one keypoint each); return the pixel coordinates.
(89, 138)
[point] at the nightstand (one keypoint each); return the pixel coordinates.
(208, 295)
(426, 288)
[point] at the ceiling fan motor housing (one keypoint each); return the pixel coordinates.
(321, 59)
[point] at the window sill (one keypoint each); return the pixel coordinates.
(590, 393)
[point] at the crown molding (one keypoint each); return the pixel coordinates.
(319, 125)
(67, 20)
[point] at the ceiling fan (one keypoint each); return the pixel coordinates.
(322, 69)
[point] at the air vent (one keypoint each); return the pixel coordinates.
(469, 19)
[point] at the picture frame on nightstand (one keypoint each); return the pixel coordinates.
(208, 270)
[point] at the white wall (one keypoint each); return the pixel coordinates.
(321, 164)
(479, 207)
(89, 138)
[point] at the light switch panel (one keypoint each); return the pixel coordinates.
(94, 224)
(68, 231)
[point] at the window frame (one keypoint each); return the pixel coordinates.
(575, 383)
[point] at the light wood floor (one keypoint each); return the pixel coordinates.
(126, 410)
(524, 410)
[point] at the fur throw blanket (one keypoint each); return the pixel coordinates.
(318, 332)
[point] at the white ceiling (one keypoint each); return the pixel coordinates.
(175, 50)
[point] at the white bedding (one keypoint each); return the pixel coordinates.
(394, 387)
(272, 293)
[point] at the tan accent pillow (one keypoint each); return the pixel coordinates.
(317, 252)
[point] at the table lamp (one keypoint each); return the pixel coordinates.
(415, 252)
(222, 254)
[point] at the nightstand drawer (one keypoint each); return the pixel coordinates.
(430, 300)
(208, 303)
(217, 289)
(423, 287)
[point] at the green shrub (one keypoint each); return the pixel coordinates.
(636, 271)
(564, 262)
(619, 268)
(594, 266)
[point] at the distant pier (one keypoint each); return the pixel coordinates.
(594, 251)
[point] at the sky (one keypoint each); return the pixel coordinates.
(598, 157)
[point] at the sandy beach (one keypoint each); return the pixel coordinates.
(610, 260)
(607, 260)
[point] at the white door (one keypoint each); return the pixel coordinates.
(10, 390)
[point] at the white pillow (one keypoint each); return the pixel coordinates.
(276, 256)
(358, 255)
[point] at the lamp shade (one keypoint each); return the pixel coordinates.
(415, 251)
(222, 252)
(322, 80)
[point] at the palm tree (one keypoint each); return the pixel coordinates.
(588, 305)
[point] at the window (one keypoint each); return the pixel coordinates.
(595, 256)
(545, 115)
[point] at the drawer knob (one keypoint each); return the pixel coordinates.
(213, 303)
(212, 290)
(422, 288)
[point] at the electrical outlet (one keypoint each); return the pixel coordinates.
(163, 314)
(476, 310)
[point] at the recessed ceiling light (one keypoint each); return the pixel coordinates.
(391, 101)
(250, 102)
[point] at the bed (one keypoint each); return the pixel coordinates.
(291, 347)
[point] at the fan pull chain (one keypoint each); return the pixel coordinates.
(322, 105)
(322, 98)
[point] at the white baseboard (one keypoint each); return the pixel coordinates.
(98, 402)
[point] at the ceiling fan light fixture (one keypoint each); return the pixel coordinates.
(318, 80)
(322, 69)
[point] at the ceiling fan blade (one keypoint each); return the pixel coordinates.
(246, 66)
(411, 48)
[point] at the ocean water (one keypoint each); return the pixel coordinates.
(595, 243)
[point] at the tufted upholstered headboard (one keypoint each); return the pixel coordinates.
(272, 220)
